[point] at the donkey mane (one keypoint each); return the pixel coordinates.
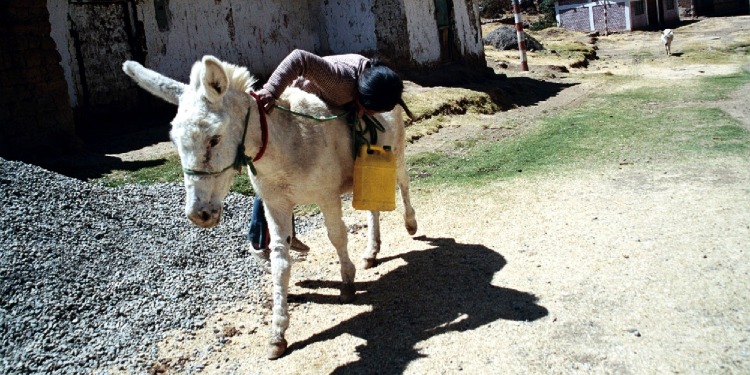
(239, 77)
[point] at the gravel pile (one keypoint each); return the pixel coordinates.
(505, 38)
(91, 277)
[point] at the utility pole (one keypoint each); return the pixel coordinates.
(520, 35)
(606, 18)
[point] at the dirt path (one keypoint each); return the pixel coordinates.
(640, 268)
(632, 270)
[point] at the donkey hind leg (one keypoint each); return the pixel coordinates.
(337, 235)
(373, 217)
(373, 240)
(402, 177)
(280, 230)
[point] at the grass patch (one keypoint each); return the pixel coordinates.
(465, 144)
(699, 53)
(740, 46)
(557, 34)
(570, 47)
(558, 53)
(710, 88)
(565, 42)
(628, 127)
(424, 127)
(719, 87)
(431, 106)
(241, 184)
(426, 103)
(168, 172)
(642, 55)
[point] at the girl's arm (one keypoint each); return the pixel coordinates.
(334, 80)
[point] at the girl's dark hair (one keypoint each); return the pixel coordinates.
(379, 87)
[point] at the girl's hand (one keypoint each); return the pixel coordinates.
(266, 100)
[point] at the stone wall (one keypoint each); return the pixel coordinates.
(36, 119)
(579, 15)
(615, 17)
(575, 19)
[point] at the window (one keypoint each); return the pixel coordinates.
(638, 7)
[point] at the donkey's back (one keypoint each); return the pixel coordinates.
(315, 156)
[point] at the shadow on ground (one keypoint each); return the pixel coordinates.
(520, 91)
(121, 141)
(506, 93)
(87, 166)
(96, 160)
(444, 289)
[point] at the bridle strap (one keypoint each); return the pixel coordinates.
(241, 159)
(263, 127)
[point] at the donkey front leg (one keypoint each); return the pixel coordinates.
(280, 230)
(337, 235)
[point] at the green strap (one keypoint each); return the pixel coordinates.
(240, 158)
(194, 172)
(372, 126)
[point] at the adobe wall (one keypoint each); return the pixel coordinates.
(173, 34)
(36, 119)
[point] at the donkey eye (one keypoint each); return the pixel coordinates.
(214, 141)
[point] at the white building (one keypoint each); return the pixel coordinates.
(95, 37)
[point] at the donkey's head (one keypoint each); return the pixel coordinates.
(207, 129)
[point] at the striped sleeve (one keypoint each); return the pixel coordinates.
(332, 78)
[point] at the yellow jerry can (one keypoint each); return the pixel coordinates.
(375, 179)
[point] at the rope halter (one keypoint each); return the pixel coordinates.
(241, 159)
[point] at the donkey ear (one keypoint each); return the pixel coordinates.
(155, 83)
(213, 79)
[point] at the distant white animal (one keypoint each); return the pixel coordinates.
(666, 37)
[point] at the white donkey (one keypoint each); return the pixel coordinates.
(298, 161)
(666, 38)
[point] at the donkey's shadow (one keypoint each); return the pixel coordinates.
(447, 288)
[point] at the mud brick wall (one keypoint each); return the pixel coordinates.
(35, 115)
(615, 17)
(576, 19)
(579, 19)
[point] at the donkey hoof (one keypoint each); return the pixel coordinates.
(369, 263)
(411, 229)
(276, 349)
(347, 293)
